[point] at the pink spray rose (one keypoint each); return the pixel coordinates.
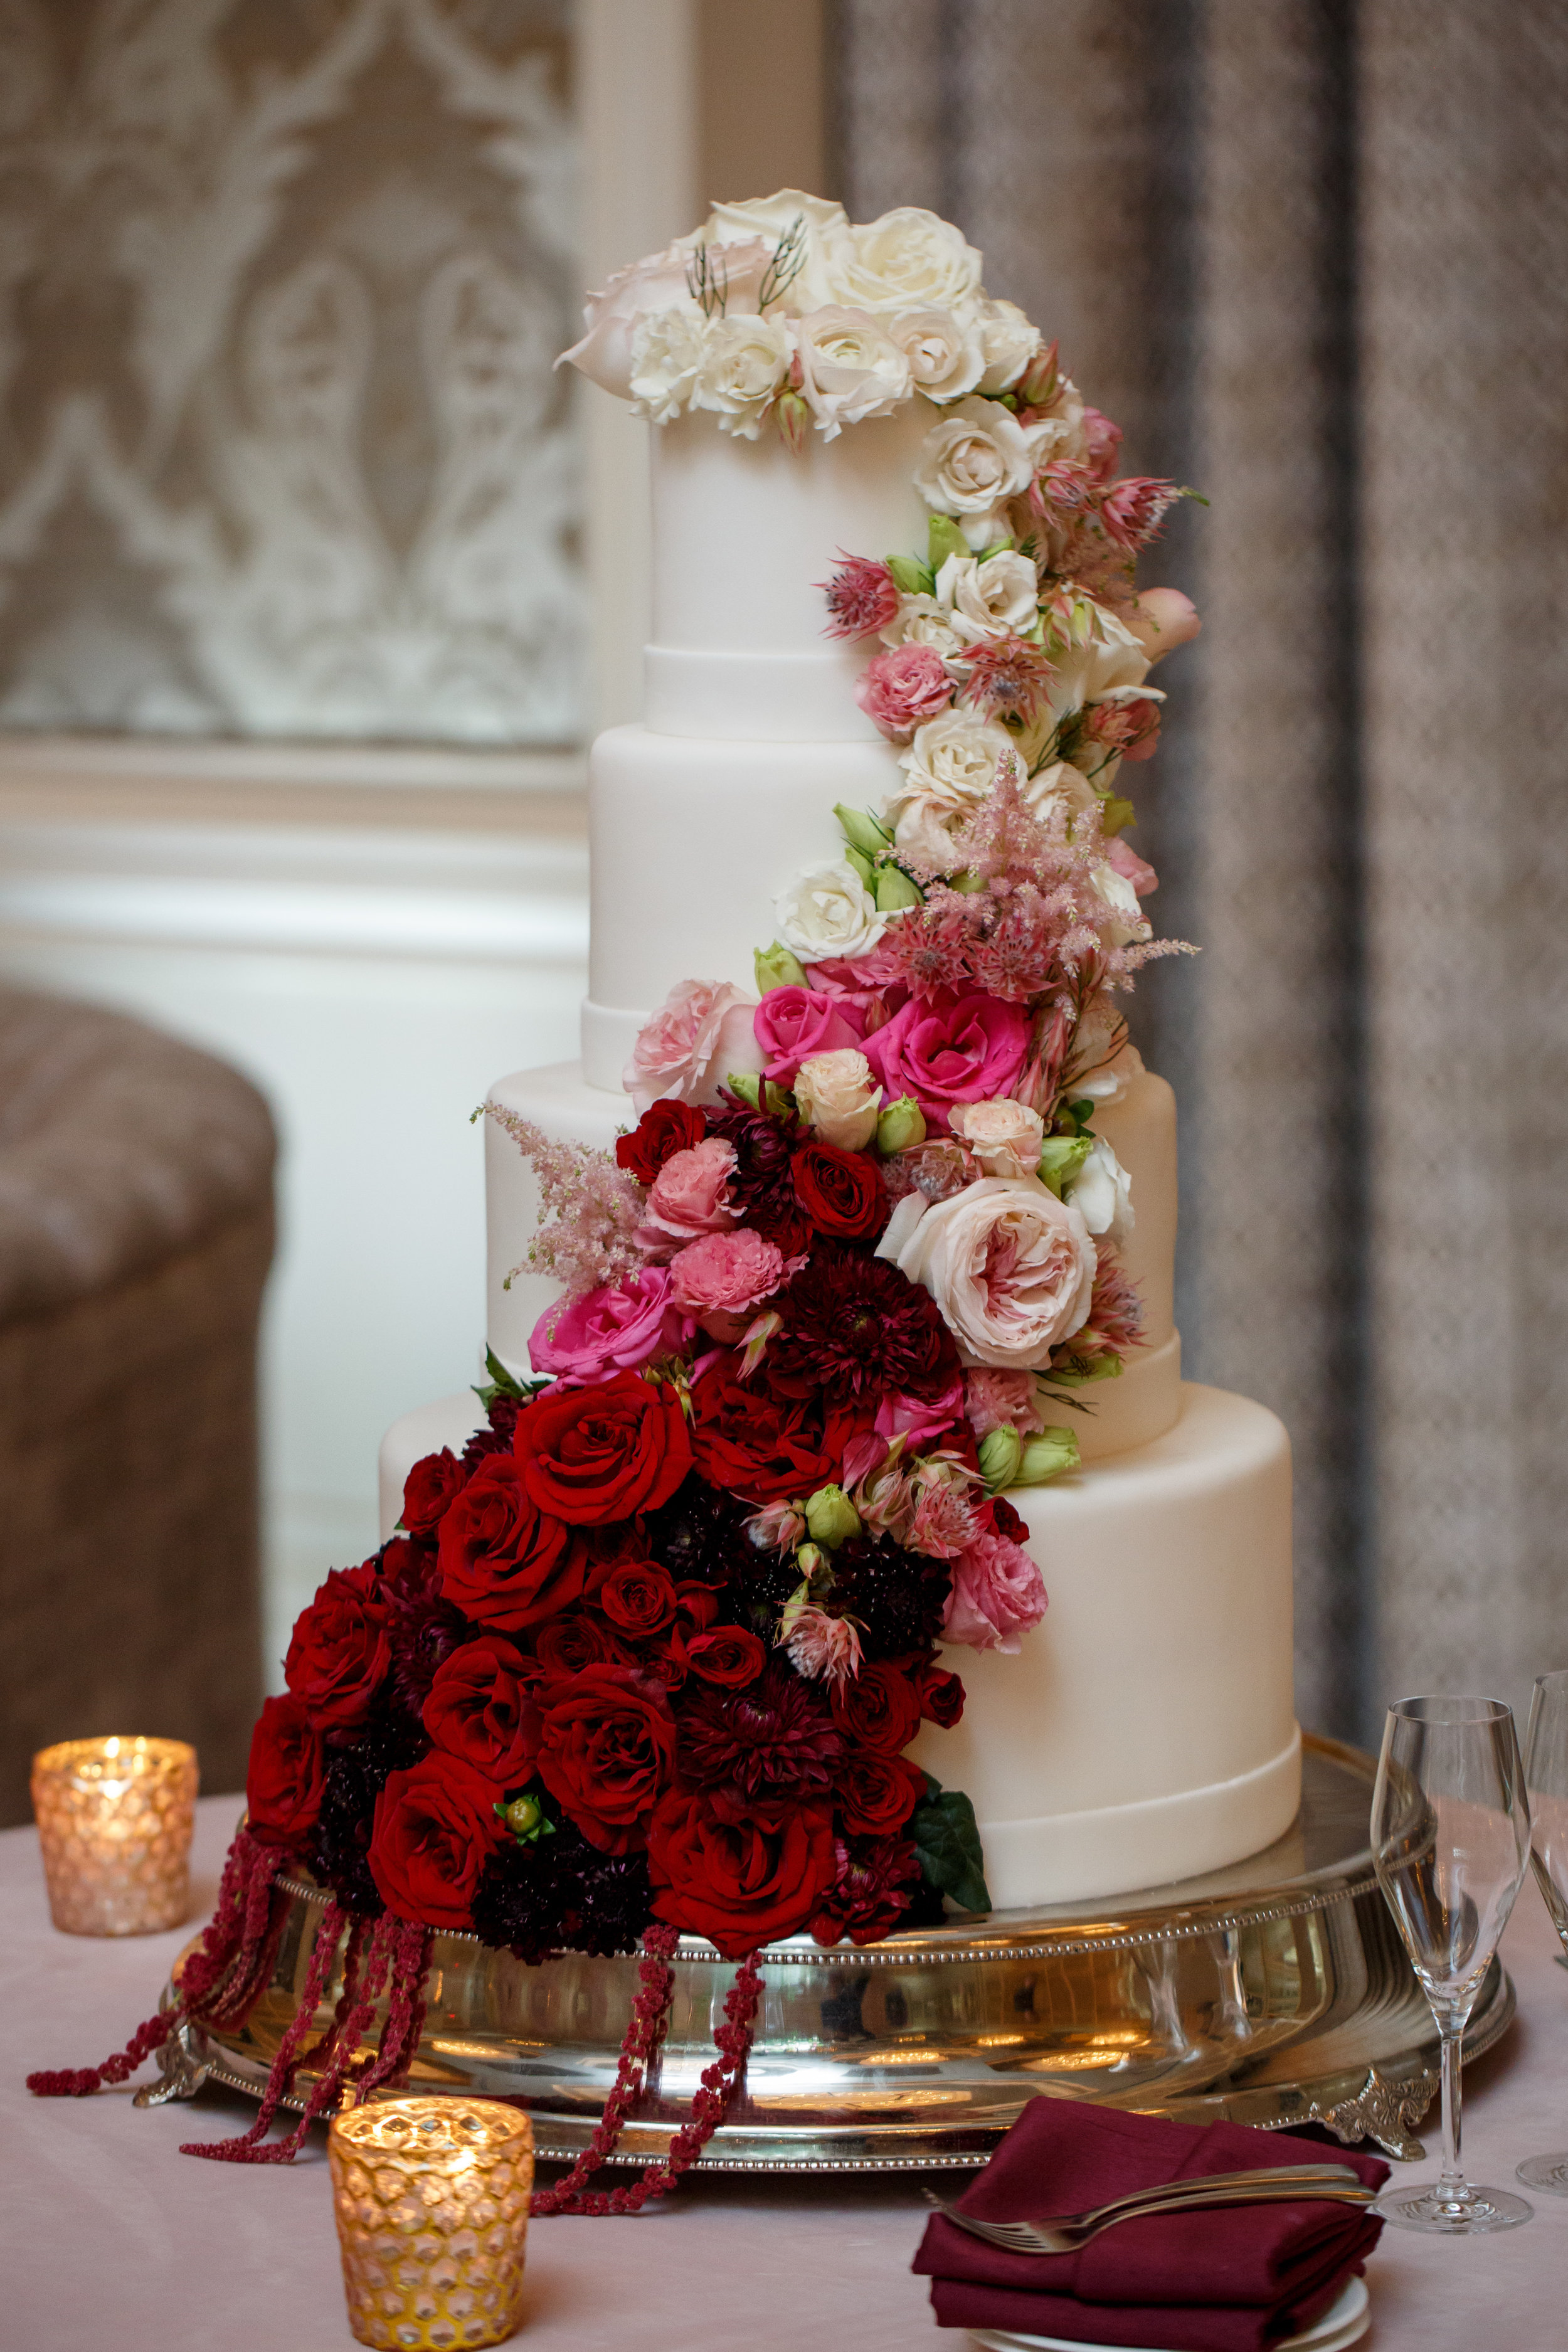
(610, 1330)
(997, 1594)
(951, 1050)
(687, 1048)
(690, 1195)
(724, 1277)
(899, 690)
(791, 1024)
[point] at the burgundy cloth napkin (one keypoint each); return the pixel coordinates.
(1230, 2279)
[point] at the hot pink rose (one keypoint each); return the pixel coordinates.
(721, 1278)
(793, 1023)
(997, 1594)
(687, 1048)
(916, 1422)
(963, 1050)
(690, 1195)
(610, 1330)
(899, 690)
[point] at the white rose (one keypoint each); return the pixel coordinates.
(667, 351)
(956, 757)
(1102, 1193)
(1010, 1266)
(1008, 342)
(908, 259)
(773, 218)
(1005, 1136)
(850, 369)
(828, 911)
(972, 462)
(998, 598)
(605, 353)
(1061, 788)
(837, 1096)
(1059, 430)
(921, 621)
(1126, 927)
(745, 362)
(943, 347)
(923, 831)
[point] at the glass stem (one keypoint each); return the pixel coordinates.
(1452, 2187)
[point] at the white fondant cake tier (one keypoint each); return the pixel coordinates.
(1146, 1731)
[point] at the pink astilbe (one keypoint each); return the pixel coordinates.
(862, 597)
(1008, 674)
(597, 1208)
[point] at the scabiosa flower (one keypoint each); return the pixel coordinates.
(561, 1894)
(700, 1535)
(822, 1648)
(423, 1630)
(856, 1329)
(862, 597)
(1008, 674)
(898, 1597)
(774, 1737)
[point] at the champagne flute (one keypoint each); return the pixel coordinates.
(1546, 1777)
(1450, 1840)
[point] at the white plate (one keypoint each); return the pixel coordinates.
(1345, 2322)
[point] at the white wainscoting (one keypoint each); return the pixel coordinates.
(372, 936)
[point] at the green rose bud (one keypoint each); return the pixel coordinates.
(894, 889)
(746, 1086)
(525, 1818)
(862, 830)
(831, 1517)
(900, 1126)
(792, 417)
(1047, 1455)
(1060, 1159)
(1001, 1451)
(945, 539)
(776, 967)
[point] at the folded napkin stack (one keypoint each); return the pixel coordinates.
(1237, 2278)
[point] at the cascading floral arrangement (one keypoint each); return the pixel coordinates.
(648, 1658)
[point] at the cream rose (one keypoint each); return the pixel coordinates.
(921, 621)
(943, 347)
(923, 832)
(827, 911)
(1061, 788)
(1005, 1136)
(1102, 1193)
(667, 351)
(850, 369)
(998, 598)
(1007, 343)
(972, 462)
(744, 361)
(771, 218)
(1010, 1266)
(908, 259)
(837, 1096)
(1126, 927)
(1111, 657)
(605, 353)
(956, 757)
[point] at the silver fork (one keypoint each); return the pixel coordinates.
(1063, 2233)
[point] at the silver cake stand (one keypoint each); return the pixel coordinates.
(1274, 1993)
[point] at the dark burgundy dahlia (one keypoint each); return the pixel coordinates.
(776, 1737)
(762, 1184)
(858, 1329)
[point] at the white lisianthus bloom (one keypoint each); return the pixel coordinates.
(1102, 1193)
(835, 1094)
(1010, 1266)
(972, 462)
(923, 830)
(956, 757)
(605, 353)
(1059, 431)
(1126, 927)
(1062, 787)
(943, 347)
(666, 353)
(998, 598)
(1008, 342)
(745, 362)
(1005, 1136)
(850, 369)
(907, 259)
(921, 621)
(1111, 657)
(770, 219)
(828, 911)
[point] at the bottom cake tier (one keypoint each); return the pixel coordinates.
(1146, 1730)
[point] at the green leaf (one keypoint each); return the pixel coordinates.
(861, 863)
(501, 1383)
(947, 1839)
(910, 576)
(945, 538)
(997, 547)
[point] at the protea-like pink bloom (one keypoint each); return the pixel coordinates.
(862, 597)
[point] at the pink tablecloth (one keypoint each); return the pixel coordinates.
(115, 2243)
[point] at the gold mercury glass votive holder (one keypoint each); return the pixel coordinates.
(114, 1820)
(432, 2198)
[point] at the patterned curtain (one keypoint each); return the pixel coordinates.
(1309, 253)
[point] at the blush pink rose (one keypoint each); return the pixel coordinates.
(998, 1593)
(963, 1050)
(687, 1048)
(1131, 867)
(610, 1330)
(724, 1277)
(899, 690)
(690, 1195)
(791, 1024)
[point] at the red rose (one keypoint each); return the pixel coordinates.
(880, 1707)
(287, 1771)
(429, 1487)
(698, 1605)
(876, 1794)
(503, 1561)
(338, 1653)
(738, 1882)
(606, 1751)
(479, 1708)
(729, 1655)
(603, 1453)
(639, 1598)
(841, 1191)
(580, 1639)
(1007, 1521)
(664, 1129)
(433, 1831)
(940, 1695)
(765, 1447)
